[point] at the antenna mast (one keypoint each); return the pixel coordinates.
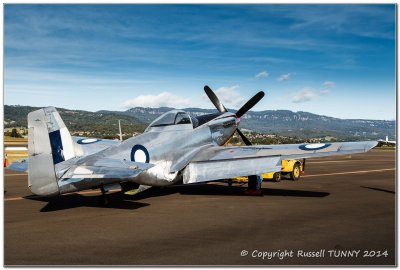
(120, 132)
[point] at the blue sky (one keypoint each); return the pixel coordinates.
(336, 60)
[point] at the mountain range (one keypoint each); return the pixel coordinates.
(288, 123)
(281, 122)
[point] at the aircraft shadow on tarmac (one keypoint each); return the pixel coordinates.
(69, 201)
(380, 189)
(121, 201)
(222, 190)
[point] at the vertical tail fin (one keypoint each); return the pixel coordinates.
(49, 143)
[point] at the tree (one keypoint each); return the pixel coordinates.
(15, 134)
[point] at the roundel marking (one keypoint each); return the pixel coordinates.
(314, 146)
(139, 153)
(87, 141)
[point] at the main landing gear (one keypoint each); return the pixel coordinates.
(254, 186)
(103, 199)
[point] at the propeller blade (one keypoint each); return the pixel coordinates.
(245, 140)
(249, 104)
(214, 99)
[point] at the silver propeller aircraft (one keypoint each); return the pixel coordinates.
(175, 148)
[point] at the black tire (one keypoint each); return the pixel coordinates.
(103, 200)
(295, 174)
(230, 182)
(276, 177)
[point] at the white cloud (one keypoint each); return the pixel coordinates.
(164, 99)
(309, 94)
(304, 95)
(328, 84)
(325, 92)
(262, 74)
(230, 97)
(284, 77)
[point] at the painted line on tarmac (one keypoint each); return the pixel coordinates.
(16, 174)
(13, 199)
(16, 148)
(355, 172)
(341, 161)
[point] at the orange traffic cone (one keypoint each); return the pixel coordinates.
(5, 161)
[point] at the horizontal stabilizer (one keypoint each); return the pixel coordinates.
(19, 165)
(105, 168)
(89, 146)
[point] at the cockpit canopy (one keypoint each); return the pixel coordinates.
(179, 117)
(171, 118)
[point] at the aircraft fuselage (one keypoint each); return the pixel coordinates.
(162, 146)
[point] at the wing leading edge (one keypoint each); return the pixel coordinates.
(219, 162)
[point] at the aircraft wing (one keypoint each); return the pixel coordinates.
(391, 142)
(219, 162)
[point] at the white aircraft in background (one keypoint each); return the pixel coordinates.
(387, 141)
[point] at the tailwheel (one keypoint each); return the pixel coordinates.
(295, 174)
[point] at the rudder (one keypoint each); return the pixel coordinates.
(49, 143)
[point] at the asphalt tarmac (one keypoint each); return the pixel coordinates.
(341, 212)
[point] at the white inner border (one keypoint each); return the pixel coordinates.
(140, 156)
(88, 140)
(315, 145)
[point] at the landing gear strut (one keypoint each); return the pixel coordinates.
(254, 186)
(103, 199)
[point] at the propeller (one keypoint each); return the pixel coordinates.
(214, 99)
(250, 104)
(253, 179)
(245, 140)
(246, 107)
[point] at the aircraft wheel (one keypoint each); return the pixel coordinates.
(230, 182)
(276, 177)
(295, 174)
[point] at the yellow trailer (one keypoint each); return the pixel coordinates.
(291, 167)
